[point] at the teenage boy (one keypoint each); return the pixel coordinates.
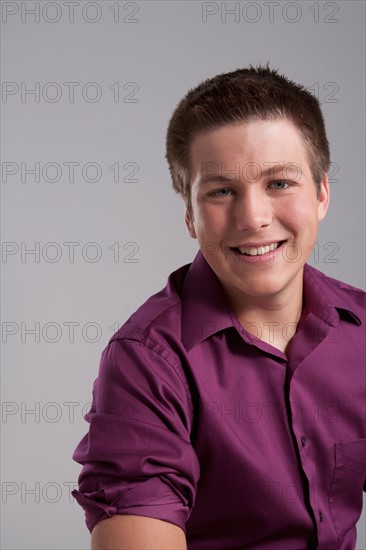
(229, 410)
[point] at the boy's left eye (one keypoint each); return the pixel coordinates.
(279, 184)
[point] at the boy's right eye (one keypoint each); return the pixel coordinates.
(224, 192)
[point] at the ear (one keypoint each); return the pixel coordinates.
(190, 225)
(323, 200)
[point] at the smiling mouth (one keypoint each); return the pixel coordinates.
(257, 251)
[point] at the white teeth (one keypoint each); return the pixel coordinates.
(252, 251)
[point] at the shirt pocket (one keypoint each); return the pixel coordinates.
(345, 495)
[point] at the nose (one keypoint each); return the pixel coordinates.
(252, 211)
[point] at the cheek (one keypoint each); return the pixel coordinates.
(211, 220)
(301, 213)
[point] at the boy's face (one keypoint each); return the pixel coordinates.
(237, 203)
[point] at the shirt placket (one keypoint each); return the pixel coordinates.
(314, 331)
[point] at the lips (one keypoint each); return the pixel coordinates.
(257, 249)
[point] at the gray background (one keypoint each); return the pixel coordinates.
(163, 48)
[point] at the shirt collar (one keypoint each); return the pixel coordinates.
(327, 297)
(206, 311)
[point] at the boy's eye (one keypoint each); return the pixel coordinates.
(224, 192)
(279, 184)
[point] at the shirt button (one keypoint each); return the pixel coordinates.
(303, 441)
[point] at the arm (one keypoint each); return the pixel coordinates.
(131, 532)
(137, 457)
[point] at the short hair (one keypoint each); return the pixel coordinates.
(244, 95)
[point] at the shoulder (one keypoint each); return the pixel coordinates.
(146, 351)
(159, 317)
(337, 284)
(339, 293)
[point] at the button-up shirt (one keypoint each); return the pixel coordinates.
(198, 422)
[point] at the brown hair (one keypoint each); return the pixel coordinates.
(241, 96)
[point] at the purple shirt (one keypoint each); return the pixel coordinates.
(197, 422)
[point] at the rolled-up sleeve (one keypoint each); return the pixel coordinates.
(137, 456)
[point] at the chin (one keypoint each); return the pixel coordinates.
(262, 289)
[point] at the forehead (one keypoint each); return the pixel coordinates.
(257, 140)
(249, 151)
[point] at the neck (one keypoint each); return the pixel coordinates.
(274, 318)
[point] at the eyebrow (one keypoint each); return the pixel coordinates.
(212, 178)
(265, 172)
